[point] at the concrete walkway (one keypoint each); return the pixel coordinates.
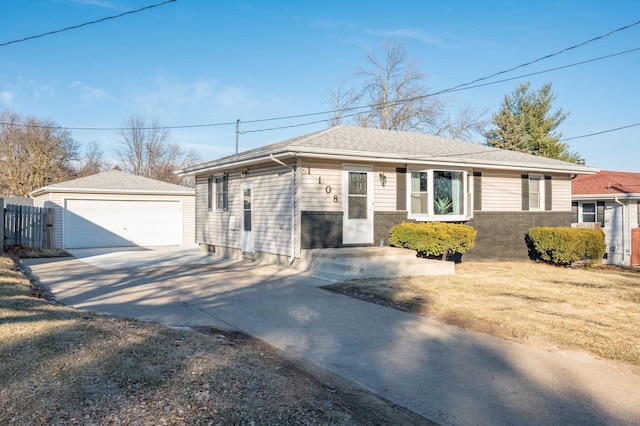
(446, 374)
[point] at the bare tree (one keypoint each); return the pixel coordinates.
(466, 124)
(33, 153)
(146, 150)
(92, 161)
(397, 98)
(342, 101)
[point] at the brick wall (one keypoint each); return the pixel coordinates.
(382, 223)
(321, 229)
(501, 235)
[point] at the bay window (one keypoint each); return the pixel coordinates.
(438, 195)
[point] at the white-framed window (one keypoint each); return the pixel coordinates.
(438, 194)
(419, 203)
(589, 212)
(222, 193)
(536, 192)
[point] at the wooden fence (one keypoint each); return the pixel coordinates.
(26, 226)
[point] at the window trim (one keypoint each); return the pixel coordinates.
(430, 215)
(221, 188)
(599, 211)
(541, 192)
(594, 213)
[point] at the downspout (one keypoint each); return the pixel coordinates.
(623, 230)
(292, 258)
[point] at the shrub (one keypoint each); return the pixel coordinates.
(433, 239)
(563, 246)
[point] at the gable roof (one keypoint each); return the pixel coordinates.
(115, 181)
(351, 142)
(607, 183)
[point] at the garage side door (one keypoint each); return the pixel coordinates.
(121, 223)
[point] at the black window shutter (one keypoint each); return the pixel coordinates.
(548, 193)
(401, 189)
(210, 192)
(225, 192)
(525, 192)
(477, 191)
(574, 212)
(600, 213)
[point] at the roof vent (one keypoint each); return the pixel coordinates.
(580, 162)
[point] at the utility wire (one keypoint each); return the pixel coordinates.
(86, 23)
(599, 133)
(463, 86)
(550, 55)
(373, 106)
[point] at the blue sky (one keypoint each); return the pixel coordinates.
(194, 62)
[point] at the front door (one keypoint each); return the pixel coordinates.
(357, 184)
(247, 218)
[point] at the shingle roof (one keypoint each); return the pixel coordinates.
(607, 182)
(377, 143)
(116, 181)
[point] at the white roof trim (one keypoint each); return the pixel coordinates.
(49, 190)
(341, 155)
(584, 197)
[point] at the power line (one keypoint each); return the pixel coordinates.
(463, 86)
(600, 133)
(552, 54)
(86, 23)
(373, 106)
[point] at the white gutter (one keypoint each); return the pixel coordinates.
(617, 201)
(437, 161)
(293, 207)
(47, 189)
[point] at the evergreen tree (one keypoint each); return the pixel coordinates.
(525, 123)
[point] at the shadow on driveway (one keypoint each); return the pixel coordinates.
(446, 374)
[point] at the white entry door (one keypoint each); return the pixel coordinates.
(357, 224)
(247, 218)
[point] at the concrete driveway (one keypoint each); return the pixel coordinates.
(446, 374)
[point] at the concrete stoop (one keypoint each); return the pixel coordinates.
(369, 262)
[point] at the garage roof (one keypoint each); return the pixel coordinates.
(115, 181)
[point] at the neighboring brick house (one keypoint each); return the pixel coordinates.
(348, 186)
(612, 200)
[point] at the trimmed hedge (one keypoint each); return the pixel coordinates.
(433, 239)
(563, 246)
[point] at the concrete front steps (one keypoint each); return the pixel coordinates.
(342, 264)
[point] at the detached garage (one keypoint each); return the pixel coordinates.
(118, 209)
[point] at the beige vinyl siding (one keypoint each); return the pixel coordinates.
(52, 201)
(271, 210)
(384, 197)
(321, 181)
(501, 191)
(561, 185)
(212, 227)
(318, 176)
(57, 202)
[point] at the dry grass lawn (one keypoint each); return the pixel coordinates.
(595, 310)
(63, 366)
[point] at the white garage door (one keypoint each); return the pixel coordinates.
(121, 223)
